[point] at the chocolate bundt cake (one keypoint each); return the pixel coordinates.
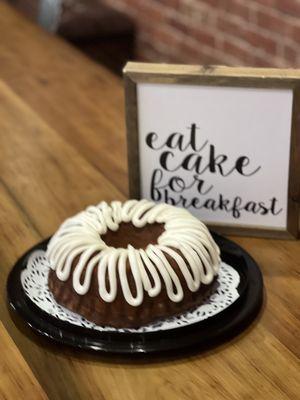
(129, 264)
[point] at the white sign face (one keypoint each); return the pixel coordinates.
(221, 152)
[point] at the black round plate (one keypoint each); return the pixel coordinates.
(200, 335)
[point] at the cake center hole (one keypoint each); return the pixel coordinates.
(127, 234)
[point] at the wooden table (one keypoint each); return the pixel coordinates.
(62, 142)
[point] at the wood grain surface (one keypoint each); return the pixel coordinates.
(17, 380)
(62, 147)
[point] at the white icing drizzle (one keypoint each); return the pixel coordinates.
(80, 236)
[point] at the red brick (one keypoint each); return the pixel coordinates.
(266, 3)
(178, 24)
(169, 3)
(294, 33)
(166, 37)
(204, 37)
(197, 12)
(190, 53)
(235, 7)
(147, 52)
(149, 13)
(271, 22)
(266, 62)
(200, 33)
(290, 7)
(260, 41)
(236, 51)
(222, 31)
(255, 39)
(226, 25)
(212, 3)
(291, 54)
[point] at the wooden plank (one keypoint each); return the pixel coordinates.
(43, 180)
(40, 169)
(17, 380)
(224, 73)
(75, 96)
(46, 362)
(279, 262)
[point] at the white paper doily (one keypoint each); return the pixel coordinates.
(34, 279)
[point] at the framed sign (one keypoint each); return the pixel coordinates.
(222, 142)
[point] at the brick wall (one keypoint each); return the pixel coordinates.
(230, 32)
